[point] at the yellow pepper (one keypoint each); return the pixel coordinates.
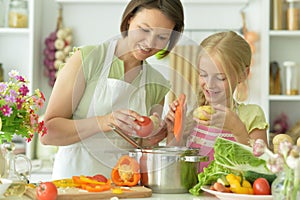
(238, 185)
(64, 183)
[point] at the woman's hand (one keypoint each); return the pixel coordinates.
(125, 120)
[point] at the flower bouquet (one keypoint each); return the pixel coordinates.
(286, 164)
(18, 109)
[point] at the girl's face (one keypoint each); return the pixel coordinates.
(214, 83)
(149, 32)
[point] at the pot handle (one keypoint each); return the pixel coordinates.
(194, 158)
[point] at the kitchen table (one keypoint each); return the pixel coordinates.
(187, 196)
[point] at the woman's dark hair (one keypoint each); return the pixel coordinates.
(170, 8)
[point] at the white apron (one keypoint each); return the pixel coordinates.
(99, 153)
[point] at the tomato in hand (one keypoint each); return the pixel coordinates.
(146, 127)
(46, 191)
(261, 187)
(100, 178)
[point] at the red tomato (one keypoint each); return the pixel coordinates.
(146, 127)
(100, 178)
(261, 187)
(46, 191)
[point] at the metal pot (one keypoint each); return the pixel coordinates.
(168, 169)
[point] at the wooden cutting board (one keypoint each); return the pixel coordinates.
(77, 194)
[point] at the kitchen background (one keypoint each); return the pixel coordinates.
(94, 21)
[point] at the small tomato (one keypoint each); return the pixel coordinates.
(146, 127)
(46, 191)
(261, 187)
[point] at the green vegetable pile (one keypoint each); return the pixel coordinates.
(231, 157)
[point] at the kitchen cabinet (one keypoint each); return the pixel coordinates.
(283, 45)
(19, 47)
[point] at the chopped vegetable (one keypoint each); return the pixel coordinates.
(90, 184)
(46, 191)
(261, 187)
(209, 175)
(64, 183)
(220, 187)
(223, 180)
(178, 122)
(251, 176)
(238, 157)
(239, 186)
(230, 157)
(126, 172)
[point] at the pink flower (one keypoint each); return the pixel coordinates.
(19, 103)
(11, 98)
(3, 87)
(24, 90)
(40, 103)
(20, 78)
(18, 109)
(6, 110)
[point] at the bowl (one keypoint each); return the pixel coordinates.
(5, 183)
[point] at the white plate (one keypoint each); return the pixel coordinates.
(233, 196)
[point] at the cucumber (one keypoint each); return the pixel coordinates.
(251, 176)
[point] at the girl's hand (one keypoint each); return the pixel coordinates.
(170, 117)
(170, 120)
(223, 118)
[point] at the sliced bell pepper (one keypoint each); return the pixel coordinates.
(96, 187)
(126, 172)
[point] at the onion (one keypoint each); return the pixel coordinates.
(59, 44)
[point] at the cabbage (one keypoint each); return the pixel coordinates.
(238, 157)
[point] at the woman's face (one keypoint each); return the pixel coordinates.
(214, 83)
(149, 32)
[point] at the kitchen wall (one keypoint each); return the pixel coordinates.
(93, 23)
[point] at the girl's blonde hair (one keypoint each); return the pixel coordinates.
(232, 52)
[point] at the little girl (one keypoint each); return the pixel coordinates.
(223, 65)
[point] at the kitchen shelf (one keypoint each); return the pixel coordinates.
(285, 33)
(14, 31)
(183, 1)
(284, 97)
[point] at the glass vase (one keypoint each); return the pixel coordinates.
(17, 174)
(286, 186)
(2, 163)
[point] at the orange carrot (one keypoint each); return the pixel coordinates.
(178, 122)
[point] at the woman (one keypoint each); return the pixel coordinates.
(111, 84)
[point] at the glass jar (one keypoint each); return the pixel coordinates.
(291, 78)
(18, 174)
(285, 186)
(277, 14)
(18, 14)
(292, 15)
(2, 13)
